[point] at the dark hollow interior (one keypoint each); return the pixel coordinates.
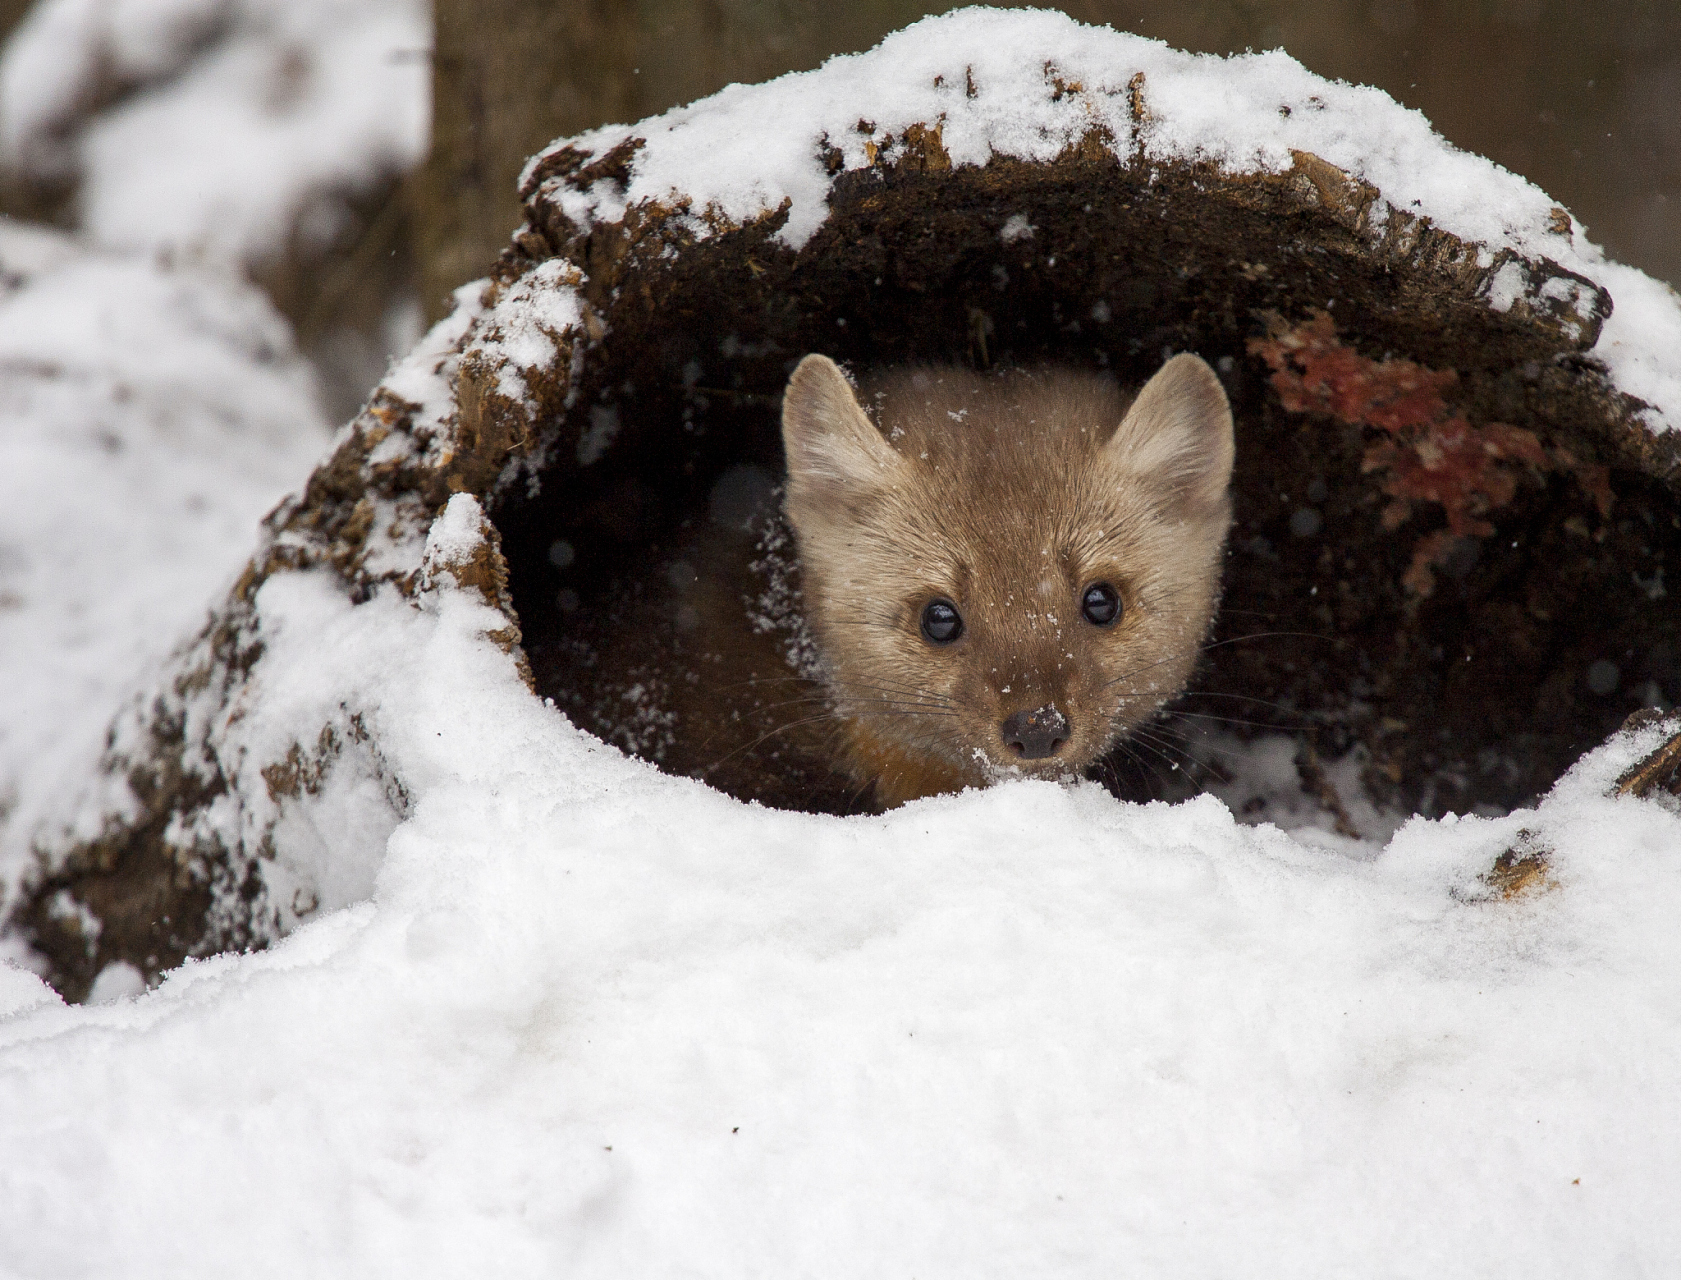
(1537, 642)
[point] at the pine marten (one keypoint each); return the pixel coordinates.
(1002, 574)
(1005, 573)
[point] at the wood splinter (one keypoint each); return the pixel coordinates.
(1661, 770)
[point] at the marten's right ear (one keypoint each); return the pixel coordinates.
(829, 442)
(1178, 436)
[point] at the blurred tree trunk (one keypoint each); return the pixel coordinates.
(512, 75)
(509, 76)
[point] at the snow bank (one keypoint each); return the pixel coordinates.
(602, 1021)
(1030, 84)
(252, 114)
(148, 419)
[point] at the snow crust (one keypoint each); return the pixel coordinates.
(987, 78)
(531, 319)
(456, 533)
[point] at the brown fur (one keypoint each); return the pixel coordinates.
(1009, 495)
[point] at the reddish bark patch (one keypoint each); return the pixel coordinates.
(1428, 451)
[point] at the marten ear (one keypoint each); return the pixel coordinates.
(829, 442)
(1178, 435)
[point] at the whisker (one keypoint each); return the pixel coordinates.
(909, 696)
(1244, 724)
(766, 737)
(1219, 644)
(1181, 749)
(1276, 635)
(1242, 697)
(1160, 777)
(931, 708)
(907, 691)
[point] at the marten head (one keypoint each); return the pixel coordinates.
(1004, 573)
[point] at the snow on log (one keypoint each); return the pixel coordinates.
(1485, 564)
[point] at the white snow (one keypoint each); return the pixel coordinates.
(1506, 287)
(1016, 227)
(985, 76)
(254, 116)
(558, 1013)
(529, 320)
(600, 1021)
(148, 419)
(455, 533)
(62, 49)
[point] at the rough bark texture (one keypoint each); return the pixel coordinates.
(688, 339)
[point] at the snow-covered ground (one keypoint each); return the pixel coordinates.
(594, 1020)
(148, 419)
(256, 137)
(600, 1021)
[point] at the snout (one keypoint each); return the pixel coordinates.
(1037, 734)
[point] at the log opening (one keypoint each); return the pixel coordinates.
(1533, 644)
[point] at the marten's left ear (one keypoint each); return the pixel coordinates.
(1178, 435)
(831, 444)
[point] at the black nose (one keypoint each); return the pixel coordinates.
(1035, 734)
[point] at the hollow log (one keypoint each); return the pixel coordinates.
(931, 201)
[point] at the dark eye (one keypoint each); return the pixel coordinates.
(1101, 604)
(941, 622)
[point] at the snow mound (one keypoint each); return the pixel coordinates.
(600, 1020)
